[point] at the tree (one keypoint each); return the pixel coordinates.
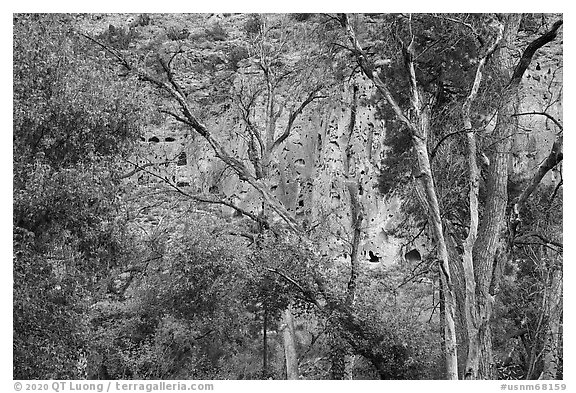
(263, 94)
(71, 118)
(480, 248)
(280, 76)
(418, 129)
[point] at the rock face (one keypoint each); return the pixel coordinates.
(541, 92)
(307, 172)
(335, 141)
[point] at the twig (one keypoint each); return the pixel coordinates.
(142, 167)
(293, 115)
(444, 138)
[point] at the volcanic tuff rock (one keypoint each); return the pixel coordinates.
(308, 172)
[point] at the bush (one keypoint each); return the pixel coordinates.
(216, 32)
(252, 25)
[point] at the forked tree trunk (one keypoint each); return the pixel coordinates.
(480, 250)
(489, 236)
(494, 219)
(471, 311)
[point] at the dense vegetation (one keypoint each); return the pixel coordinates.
(117, 276)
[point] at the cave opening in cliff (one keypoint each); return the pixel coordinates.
(413, 256)
(182, 159)
(373, 257)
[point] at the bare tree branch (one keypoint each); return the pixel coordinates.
(560, 183)
(543, 244)
(174, 90)
(554, 158)
(531, 49)
(541, 237)
(369, 69)
(461, 22)
(245, 109)
(293, 115)
(139, 168)
(247, 235)
(170, 75)
(444, 138)
(114, 52)
(175, 116)
(207, 199)
(549, 116)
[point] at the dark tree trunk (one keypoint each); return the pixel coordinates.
(265, 345)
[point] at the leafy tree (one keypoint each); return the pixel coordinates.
(414, 106)
(69, 122)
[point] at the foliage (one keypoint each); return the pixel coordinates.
(216, 32)
(192, 315)
(253, 25)
(71, 117)
(396, 166)
(301, 17)
(49, 325)
(68, 104)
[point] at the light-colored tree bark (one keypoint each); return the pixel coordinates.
(418, 126)
(289, 340)
(470, 301)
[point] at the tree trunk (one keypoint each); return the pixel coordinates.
(471, 312)
(551, 351)
(356, 213)
(493, 221)
(288, 335)
(442, 305)
(419, 143)
(459, 286)
(486, 247)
